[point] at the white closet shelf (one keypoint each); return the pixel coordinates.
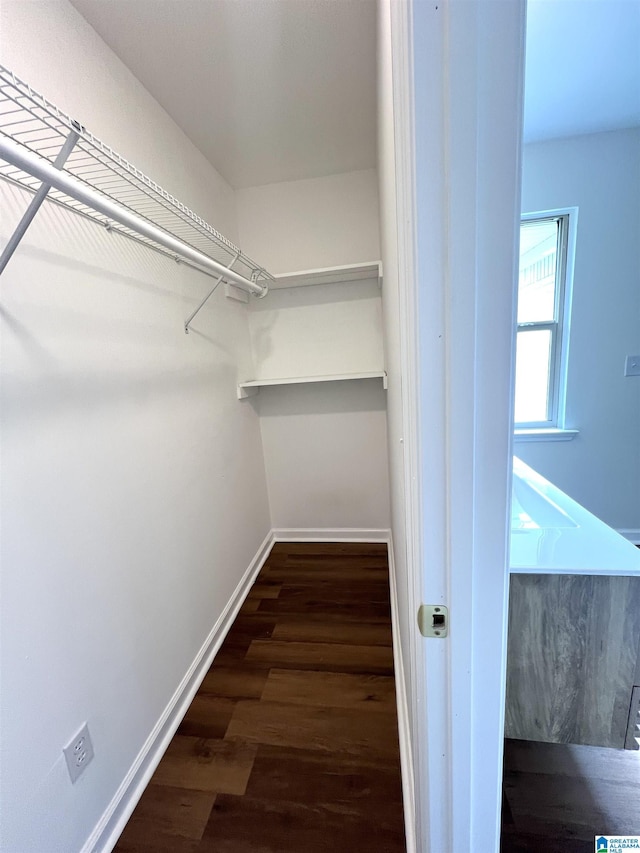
(55, 157)
(248, 389)
(329, 275)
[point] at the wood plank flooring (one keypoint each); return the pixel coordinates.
(291, 744)
(558, 797)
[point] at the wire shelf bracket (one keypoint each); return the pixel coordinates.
(56, 158)
(35, 203)
(206, 299)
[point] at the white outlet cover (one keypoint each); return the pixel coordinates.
(78, 753)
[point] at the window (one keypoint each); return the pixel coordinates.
(543, 315)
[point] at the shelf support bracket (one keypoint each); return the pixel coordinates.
(36, 201)
(207, 297)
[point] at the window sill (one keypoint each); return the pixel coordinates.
(544, 434)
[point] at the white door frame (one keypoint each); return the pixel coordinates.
(458, 86)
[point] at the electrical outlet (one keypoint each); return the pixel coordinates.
(78, 753)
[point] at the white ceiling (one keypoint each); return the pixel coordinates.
(268, 90)
(279, 90)
(582, 68)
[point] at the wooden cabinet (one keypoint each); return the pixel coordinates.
(572, 657)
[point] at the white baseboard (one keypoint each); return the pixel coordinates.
(402, 703)
(330, 534)
(110, 826)
(632, 534)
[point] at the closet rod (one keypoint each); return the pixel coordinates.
(46, 172)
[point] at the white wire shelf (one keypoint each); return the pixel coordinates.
(40, 128)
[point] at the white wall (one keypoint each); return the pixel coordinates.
(325, 454)
(303, 225)
(325, 445)
(600, 174)
(318, 330)
(133, 487)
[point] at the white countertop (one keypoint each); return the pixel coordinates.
(552, 533)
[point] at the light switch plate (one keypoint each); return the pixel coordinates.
(632, 365)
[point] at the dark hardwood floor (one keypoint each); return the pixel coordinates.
(291, 744)
(560, 796)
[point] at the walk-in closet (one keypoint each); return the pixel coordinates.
(195, 371)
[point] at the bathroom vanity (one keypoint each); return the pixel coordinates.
(574, 622)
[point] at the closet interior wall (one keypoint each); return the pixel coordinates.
(325, 444)
(133, 485)
(137, 490)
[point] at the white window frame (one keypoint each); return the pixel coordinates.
(555, 426)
